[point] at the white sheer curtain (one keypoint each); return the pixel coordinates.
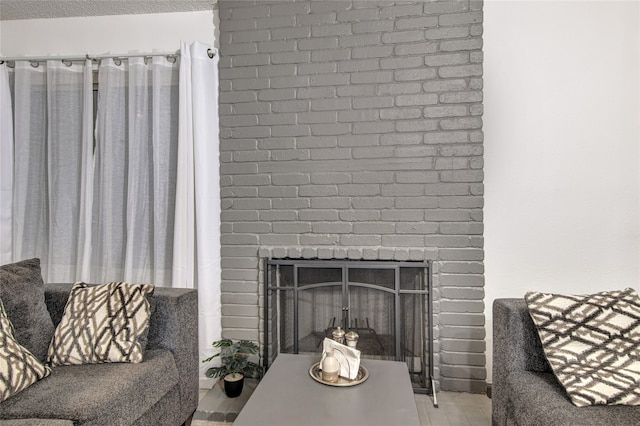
(6, 167)
(52, 158)
(136, 160)
(196, 260)
(97, 222)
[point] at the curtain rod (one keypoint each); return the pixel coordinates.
(3, 59)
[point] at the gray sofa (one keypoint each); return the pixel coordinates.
(525, 390)
(161, 390)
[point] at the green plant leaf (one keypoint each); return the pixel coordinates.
(234, 359)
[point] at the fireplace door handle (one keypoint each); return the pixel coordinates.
(345, 317)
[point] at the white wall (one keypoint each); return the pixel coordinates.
(105, 34)
(562, 143)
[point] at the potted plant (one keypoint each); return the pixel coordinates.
(235, 364)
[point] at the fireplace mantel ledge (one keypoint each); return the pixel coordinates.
(350, 253)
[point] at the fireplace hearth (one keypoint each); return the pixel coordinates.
(387, 303)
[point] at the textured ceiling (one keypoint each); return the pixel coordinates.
(39, 9)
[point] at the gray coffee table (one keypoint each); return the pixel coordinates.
(287, 395)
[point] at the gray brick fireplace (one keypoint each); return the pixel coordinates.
(353, 130)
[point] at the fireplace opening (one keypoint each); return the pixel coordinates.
(387, 303)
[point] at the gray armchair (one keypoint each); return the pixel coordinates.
(525, 390)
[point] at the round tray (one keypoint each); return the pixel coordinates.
(316, 373)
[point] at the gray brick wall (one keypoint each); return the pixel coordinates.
(353, 129)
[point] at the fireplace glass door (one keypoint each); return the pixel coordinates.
(386, 303)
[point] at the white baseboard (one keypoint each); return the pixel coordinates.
(207, 383)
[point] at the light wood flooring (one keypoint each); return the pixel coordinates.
(454, 408)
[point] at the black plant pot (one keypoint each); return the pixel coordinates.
(233, 384)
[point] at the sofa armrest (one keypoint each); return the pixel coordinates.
(174, 326)
(516, 344)
(516, 347)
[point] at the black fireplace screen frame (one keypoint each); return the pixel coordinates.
(423, 295)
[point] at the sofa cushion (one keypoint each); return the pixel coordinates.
(535, 399)
(19, 369)
(22, 292)
(97, 394)
(592, 343)
(36, 422)
(104, 323)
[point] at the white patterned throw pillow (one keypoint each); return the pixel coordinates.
(592, 343)
(104, 323)
(19, 369)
